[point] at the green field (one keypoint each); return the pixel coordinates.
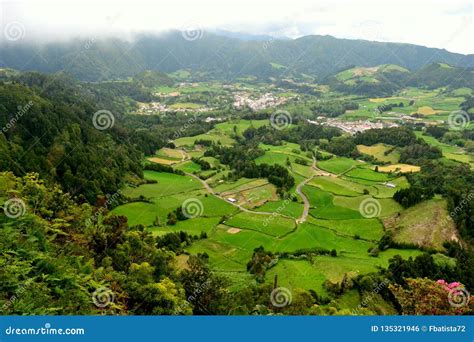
(239, 215)
(166, 184)
(339, 186)
(380, 152)
(334, 221)
(338, 165)
(449, 151)
(427, 224)
(432, 104)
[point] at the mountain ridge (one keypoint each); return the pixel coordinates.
(217, 56)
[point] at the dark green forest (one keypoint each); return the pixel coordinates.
(106, 59)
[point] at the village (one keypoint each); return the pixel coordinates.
(267, 100)
(153, 108)
(351, 127)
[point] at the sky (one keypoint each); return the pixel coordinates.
(444, 24)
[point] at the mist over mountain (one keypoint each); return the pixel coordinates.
(218, 55)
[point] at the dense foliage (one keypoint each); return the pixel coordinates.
(396, 136)
(241, 158)
(56, 137)
(91, 60)
(452, 181)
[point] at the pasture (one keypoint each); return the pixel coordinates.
(404, 168)
(449, 151)
(338, 165)
(241, 215)
(426, 224)
(381, 152)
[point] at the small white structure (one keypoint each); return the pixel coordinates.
(231, 199)
(390, 185)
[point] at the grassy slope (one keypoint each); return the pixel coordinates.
(427, 224)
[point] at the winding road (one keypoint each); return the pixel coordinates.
(306, 203)
(212, 192)
(299, 191)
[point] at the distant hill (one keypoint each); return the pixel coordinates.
(377, 80)
(151, 78)
(368, 74)
(387, 78)
(243, 36)
(218, 56)
(441, 74)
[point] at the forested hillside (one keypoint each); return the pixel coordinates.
(317, 56)
(48, 127)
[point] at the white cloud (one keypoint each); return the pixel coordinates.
(431, 23)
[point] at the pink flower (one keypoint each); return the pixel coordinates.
(454, 284)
